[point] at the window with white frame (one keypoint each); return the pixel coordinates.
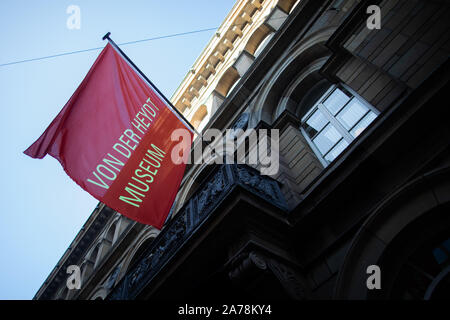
(335, 121)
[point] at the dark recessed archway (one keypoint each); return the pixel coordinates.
(403, 237)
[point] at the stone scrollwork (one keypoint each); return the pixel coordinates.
(212, 189)
(241, 122)
(261, 185)
(247, 266)
(290, 280)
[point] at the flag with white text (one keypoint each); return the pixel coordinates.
(113, 138)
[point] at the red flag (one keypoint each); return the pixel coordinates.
(113, 138)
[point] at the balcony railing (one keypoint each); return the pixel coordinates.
(200, 207)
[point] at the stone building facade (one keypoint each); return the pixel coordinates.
(364, 175)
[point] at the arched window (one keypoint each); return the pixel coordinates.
(263, 44)
(232, 87)
(111, 232)
(140, 251)
(294, 6)
(335, 121)
(200, 116)
(94, 254)
(229, 78)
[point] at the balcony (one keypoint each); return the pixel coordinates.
(200, 208)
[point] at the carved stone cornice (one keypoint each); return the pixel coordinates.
(228, 38)
(75, 252)
(249, 265)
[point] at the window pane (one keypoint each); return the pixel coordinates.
(315, 123)
(352, 113)
(336, 150)
(439, 255)
(363, 124)
(336, 101)
(327, 139)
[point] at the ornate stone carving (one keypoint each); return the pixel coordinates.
(109, 283)
(175, 233)
(241, 122)
(247, 265)
(262, 185)
(290, 281)
(210, 191)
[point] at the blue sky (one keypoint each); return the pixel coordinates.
(41, 208)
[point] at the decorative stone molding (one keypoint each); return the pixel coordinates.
(291, 281)
(219, 56)
(186, 102)
(243, 62)
(227, 81)
(109, 283)
(276, 18)
(247, 266)
(242, 121)
(214, 101)
(210, 68)
(246, 17)
(237, 31)
(202, 80)
(86, 269)
(194, 91)
(228, 44)
(190, 217)
(233, 35)
(76, 252)
(104, 246)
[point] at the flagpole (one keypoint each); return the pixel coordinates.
(106, 36)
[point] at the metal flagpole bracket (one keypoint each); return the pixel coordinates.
(106, 36)
(171, 106)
